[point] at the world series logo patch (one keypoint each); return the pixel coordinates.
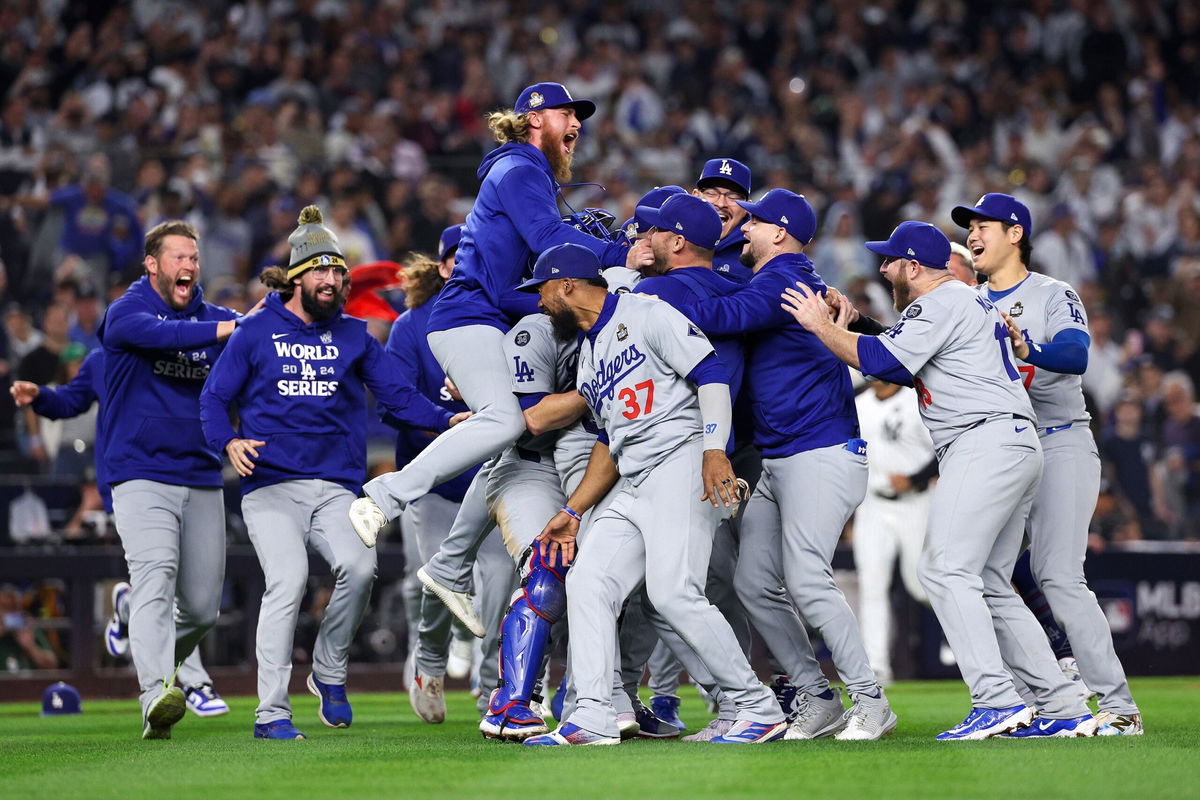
(622, 332)
(913, 311)
(522, 338)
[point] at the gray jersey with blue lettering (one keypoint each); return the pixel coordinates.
(632, 375)
(1043, 307)
(956, 346)
(539, 363)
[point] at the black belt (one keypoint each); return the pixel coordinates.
(529, 455)
(985, 420)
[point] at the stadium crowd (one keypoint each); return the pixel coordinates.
(233, 116)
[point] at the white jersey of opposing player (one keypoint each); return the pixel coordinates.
(539, 363)
(1043, 306)
(898, 442)
(632, 370)
(954, 343)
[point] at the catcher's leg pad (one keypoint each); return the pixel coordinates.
(538, 604)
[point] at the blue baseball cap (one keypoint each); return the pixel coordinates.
(541, 96)
(788, 210)
(686, 215)
(568, 260)
(918, 241)
(651, 199)
(449, 241)
(60, 698)
(728, 170)
(997, 206)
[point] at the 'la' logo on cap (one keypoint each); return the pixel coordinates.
(536, 99)
(784, 220)
(725, 169)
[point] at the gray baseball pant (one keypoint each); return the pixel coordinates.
(455, 558)
(281, 519)
(495, 581)
(803, 502)
(191, 670)
(660, 532)
(174, 541)
(971, 545)
(1058, 531)
(473, 357)
(410, 586)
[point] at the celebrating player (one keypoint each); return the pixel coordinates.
(160, 340)
(296, 373)
(639, 362)
(952, 345)
(723, 184)
(515, 217)
(1048, 326)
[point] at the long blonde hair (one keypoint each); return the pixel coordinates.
(421, 280)
(509, 126)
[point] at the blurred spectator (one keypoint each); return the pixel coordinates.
(1062, 251)
(1127, 453)
(99, 223)
(1180, 466)
(22, 646)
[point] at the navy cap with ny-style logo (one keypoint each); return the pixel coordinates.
(568, 260)
(541, 96)
(725, 169)
(996, 206)
(918, 241)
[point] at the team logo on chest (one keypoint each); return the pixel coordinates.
(1016, 310)
(609, 373)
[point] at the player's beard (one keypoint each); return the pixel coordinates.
(560, 161)
(901, 292)
(565, 323)
(166, 289)
(319, 308)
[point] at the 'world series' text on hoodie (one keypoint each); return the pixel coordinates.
(156, 360)
(515, 218)
(800, 392)
(299, 388)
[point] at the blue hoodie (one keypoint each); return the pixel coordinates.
(800, 392)
(515, 218)
(299, 388)
(408, 345)
(156, 360)
(74, 398)
(727, 257)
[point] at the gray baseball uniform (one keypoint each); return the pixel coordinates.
(888, 525)
(1066, 497)
(631, 372)
(954, 343)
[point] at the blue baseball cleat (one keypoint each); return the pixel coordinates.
(560, 696)
(514, 721)
(1043, 728)
(786, 694)
(203, 701)
(116, 632)
(334, 709)
(277, 729)
(666, 708)
(650, 726)
(744, 732)
(984, 722)
(568, 734)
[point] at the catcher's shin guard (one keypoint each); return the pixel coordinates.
(541, 600)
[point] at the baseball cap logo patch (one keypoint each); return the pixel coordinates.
(1013, 217)
(784, 220)
(678, 226)
(910, 252)
(726, 168)
(554, 270)
(536, 99)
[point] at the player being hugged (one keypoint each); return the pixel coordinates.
(295, 373)
(661, 399)
(1048, 327)
(515, 218)
(953, 347)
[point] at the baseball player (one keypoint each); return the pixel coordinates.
(723, 183)
(638, 364)
(890, 523)
(296, 373)
(71, 400)
(952, 345)
(515, 217)
(814, 474)
(1048, 326)
(160, 340)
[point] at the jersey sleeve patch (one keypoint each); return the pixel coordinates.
(913, 311)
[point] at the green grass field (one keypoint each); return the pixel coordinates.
(389, 753)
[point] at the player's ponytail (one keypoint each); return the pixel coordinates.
(509, 126)
(421, 280)
(276, 279)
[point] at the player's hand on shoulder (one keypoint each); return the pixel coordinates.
(841, 308)
(1019, 345)
(24, 392)
(241, 453)
(558, 537)
(720, 484)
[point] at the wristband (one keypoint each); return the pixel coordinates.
(571, 512)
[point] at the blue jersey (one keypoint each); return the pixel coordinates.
(727, 258)
(515, 218)
(300, 388)
(408, 345)
(799, 391)
(156, 360)
(76, 397)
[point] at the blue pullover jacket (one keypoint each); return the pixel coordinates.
(300, 389)
(407, 344)
(155, 362)
(515, 218)
(727, 257)
(799, 391)
(76, 397)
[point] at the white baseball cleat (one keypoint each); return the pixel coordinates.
(868, 719)
(1110, 724)
(459, 603)
(427, 698)
(718, 727)
(367, 518)
(817, 717)
(459, 658)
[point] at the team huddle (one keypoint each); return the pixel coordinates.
(646, 442)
